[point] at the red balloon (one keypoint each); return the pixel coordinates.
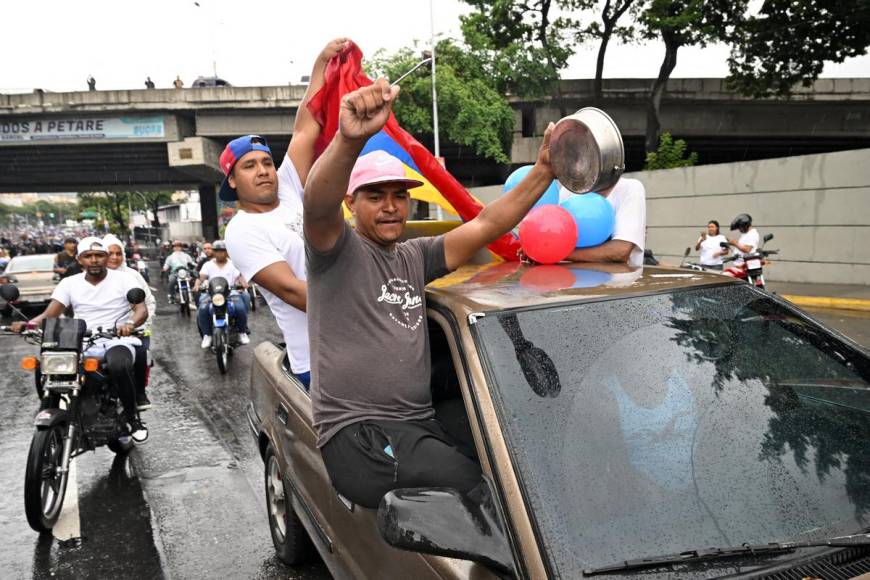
(548, 234)
(547, 278)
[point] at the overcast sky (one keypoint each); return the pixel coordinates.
(55, 45)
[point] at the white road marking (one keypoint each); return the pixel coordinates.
(68, 525)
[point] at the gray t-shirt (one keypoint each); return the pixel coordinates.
(368, 330)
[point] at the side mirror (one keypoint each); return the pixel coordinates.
(135, 296)
(723, 245)
(767, 238)
(9, 292)
(687, 252)
(443, 522)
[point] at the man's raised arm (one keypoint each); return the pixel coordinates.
(306, 129)
(363, 113)
(502, 215)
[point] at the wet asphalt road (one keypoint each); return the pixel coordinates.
(187, 504)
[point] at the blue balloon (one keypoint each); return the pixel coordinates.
(594, 217)
(586, 278)
(550, 197)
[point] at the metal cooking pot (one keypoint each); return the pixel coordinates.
(586, 151)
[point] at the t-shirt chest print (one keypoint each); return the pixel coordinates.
(402, 302)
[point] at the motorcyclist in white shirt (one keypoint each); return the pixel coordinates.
(221, 266)
(177, 259)
(117, 261)
(749, 239)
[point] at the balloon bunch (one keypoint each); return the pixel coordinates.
(551, 230)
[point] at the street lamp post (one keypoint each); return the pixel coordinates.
(439, 213)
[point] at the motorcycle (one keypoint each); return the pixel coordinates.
(182, 290)
(140, 266)
(79, 408)
(752, 266)
(254, 293)
(223, 312)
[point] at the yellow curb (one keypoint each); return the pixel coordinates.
(827, 302)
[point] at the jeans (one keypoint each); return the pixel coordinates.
(204, 313)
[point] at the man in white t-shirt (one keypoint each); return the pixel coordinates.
(177, 259)
(628, 198)
(264, 237)
(99, 297)
(221, 266)
(749, 239)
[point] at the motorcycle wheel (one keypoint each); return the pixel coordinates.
(44, 487)
(219, 341)
(183, 301)
(253, 299)
(292, 543)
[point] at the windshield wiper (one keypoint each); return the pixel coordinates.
(707, 554)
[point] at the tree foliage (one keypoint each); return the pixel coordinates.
(683, 23)
(788, 42)
(526, 43)
(670, 154)
(471, 110)
(611, 12)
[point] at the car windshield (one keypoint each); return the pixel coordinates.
(655, 424)
(41, 263)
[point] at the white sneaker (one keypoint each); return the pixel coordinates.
(244, 338)
(206, 341)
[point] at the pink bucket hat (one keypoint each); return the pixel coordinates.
(379, 167)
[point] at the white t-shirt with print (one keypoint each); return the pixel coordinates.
(751, 238)
(257, 240)
(211, 269)
(178, 259)
(99, 305)
(709, 247)
(628, 199)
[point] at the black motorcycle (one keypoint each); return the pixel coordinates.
(225, 335)
(79, 408)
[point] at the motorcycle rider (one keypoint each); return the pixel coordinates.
(177, 259)
(221, 266)
(749, 239)
(116, 261)
(207, 254)
(99, 297)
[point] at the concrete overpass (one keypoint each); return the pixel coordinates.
(168, 138)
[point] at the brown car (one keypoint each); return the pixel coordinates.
(34, 276)
(625, 420)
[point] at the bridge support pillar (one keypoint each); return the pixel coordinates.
(208, 211)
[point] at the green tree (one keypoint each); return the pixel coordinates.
(788, 42)
(471, 111)
(525, 43)
(150, 201)
(683, 23)
(611, 11)
(670, 154)
(109, 206)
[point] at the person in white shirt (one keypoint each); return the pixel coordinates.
(99, 297)
(264, 238)
(220, 266)
(749, 239)
(117, 261)
(710, 246)
(628, 198)
(177, 259)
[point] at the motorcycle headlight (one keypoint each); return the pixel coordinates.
(218, 300)
(182, 274)
(60, 363)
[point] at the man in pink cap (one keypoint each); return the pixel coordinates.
(372, 405)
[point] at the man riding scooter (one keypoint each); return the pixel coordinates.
(177, 259)
(750, 256)
(221, 266)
